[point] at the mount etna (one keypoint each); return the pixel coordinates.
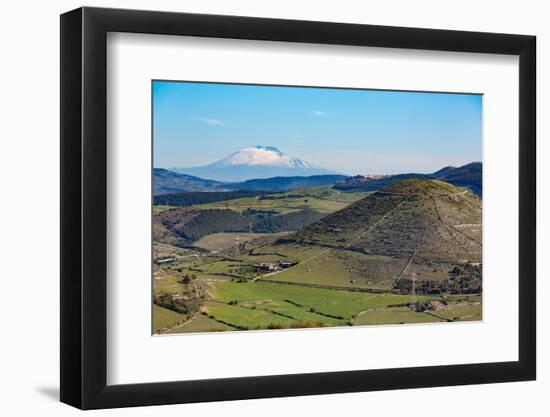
(255, 163)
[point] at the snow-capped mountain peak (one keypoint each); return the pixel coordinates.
(262, 156)
(255, 163)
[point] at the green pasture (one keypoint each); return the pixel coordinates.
(162, 318)
(337, 303)
(280, 204)
(257, 291)
(200, 323)
(246, 318)
(295, 312)
(223, 241)
(469, 312)
(393, 316)
(353, 307)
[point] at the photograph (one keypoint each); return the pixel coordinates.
(283, 207)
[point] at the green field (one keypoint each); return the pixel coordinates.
(201, 323)
(246, 318)
(163, 318)
(169, 283)
(322, 199)
(257, 291)
(468, 312)
(222, 241)
(296, 313)
(353, 307)
(393, 316)
(274, 315)
(282, 206)
(344, 269)
(342, 305)
(357, 263)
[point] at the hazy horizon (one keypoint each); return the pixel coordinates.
(346, 131)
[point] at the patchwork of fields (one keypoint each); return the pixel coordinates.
(370, 260)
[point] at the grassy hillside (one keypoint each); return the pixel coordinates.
(413, 215)
(409, 253)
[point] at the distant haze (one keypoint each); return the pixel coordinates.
(309, 131)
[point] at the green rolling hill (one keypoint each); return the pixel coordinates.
(425, 216)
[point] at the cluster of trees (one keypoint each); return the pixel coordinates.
(191, 225)
(186, 304)
(186, 278)
(455, 285)
(213, 221)
(299, 324)
(243, 271)
(468, 269)
(259, 212)
(283, 196)
(198, 197)
(292, 221)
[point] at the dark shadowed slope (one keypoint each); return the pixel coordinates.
(469, 176)
(168, 182)
(165, 182)
(286, 183)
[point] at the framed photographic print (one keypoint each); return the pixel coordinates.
(258, 208)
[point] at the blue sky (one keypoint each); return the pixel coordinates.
(348, 131)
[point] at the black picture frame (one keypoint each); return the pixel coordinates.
(84, 207)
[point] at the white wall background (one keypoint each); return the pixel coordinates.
(29, 219)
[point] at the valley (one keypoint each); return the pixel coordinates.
(317, 256)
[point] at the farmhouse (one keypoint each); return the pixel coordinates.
(267, 267)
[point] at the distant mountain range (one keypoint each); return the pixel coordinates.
(281, 184)
(468, 176)
(258, 162)
(169, 182)
(165, 182)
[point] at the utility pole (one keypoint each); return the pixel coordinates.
(414, 305)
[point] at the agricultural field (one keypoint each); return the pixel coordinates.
(165, 319)
(322, 199)
(340, 231)
(394, 316)
(200, 323)
(344, 269)
(217, 242)
(461, 312)
(410, 254)
(246, 318)
(271, 301)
